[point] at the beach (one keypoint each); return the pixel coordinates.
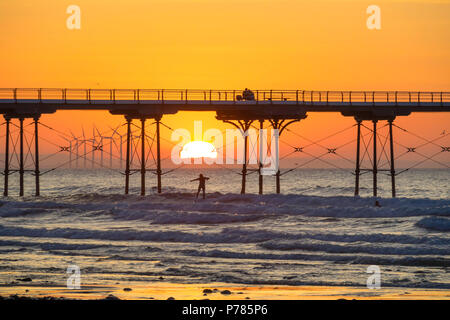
(218, 291)
(316, 241)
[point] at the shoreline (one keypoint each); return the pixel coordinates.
(215, 291)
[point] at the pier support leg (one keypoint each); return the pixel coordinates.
(158, 154)
(391, 138)
(143, 156)
(277, 156)
(127, 164)
(121, 153)
(375, 164)
(36, 156)
(6, 172)
(278, 181)
(243, 126)
(358, 160)
(261, 155)
(21, 163)
(244, 166)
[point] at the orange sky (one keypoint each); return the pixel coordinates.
(228, 44)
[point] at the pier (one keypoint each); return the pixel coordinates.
(278, 108)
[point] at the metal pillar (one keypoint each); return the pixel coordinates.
(21, 164)
(276, 135)
(358, 156)
(278, 181)
(121, 153)
(6, 172)
(278, 126)
(244, 165)
(243, 126)
(36, 156)
(158, 154)
(131, 148)
(142, 156)
(391, 137)
(127, 164)
(375, 164)
(261, 155)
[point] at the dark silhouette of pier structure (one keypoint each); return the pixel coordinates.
(278, 108)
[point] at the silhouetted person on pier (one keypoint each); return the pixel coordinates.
(248, 95)
(201, 185)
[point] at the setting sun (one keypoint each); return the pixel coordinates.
(198, 149)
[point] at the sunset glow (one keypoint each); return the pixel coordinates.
(218, 44)
(198, 149)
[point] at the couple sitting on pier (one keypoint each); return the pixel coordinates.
(247, 95)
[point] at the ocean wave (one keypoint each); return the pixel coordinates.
(231, 205)
(434, 223)
(50, 245)
(365, 248)
(182, 217)
(226, 235)
(365, 260)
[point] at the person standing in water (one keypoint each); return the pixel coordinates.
(201, 185)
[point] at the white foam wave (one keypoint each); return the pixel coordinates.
(226, 235)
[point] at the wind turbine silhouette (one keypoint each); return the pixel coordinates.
(112, 141)
(76, 139)
(115, 132)
(85, 141)
(67, 149)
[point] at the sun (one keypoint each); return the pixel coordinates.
(198, 149)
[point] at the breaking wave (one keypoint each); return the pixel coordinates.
(226, 235)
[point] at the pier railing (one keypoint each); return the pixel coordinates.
(213, 96)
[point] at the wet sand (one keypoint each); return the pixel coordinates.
(219, 291)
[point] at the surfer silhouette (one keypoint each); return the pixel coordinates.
(201, 184)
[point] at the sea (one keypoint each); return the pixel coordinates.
(315, 233)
